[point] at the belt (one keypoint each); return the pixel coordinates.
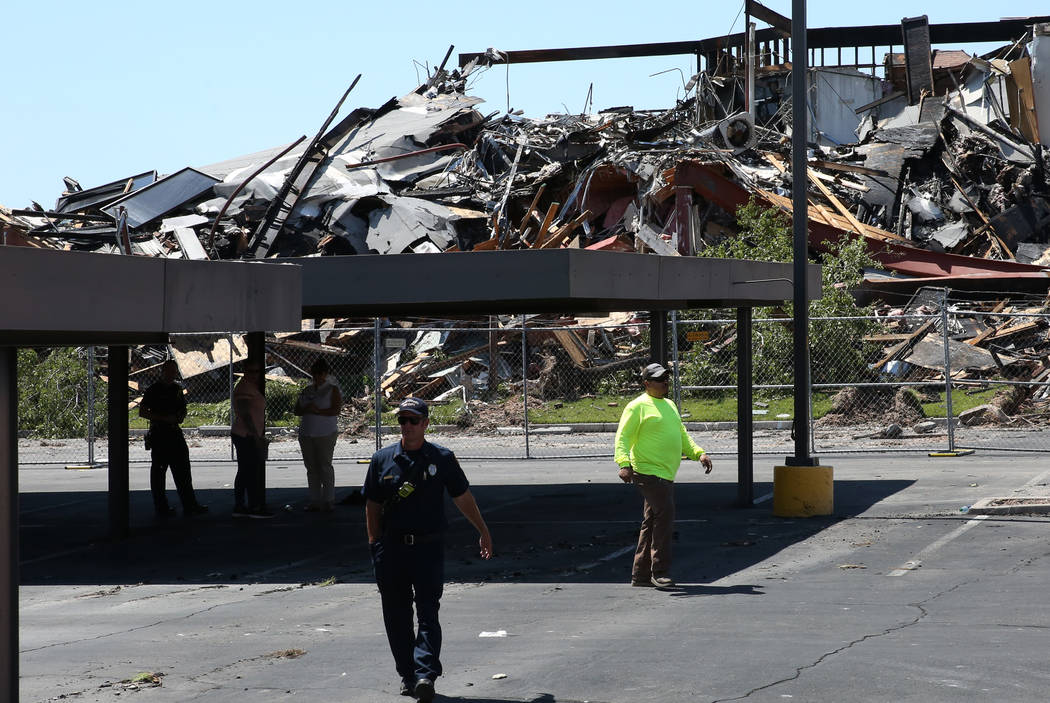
(413, 538)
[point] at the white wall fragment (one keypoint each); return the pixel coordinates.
(1039, 49)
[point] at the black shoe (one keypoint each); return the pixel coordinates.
(195, 510)
(165, 513)
(425, 690)
(260, 514)
(407, 687)
(241, 511)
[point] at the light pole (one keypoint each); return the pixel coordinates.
(801, 487)
(799, 221)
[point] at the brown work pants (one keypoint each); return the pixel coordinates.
(653, 554)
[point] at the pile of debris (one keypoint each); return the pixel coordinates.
(946, 182)
(1002, 345)
(958, 171)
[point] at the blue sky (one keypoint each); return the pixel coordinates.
(102, 91)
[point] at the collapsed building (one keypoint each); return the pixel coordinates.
(938, 164)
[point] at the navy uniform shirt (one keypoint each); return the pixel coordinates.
(423, 511)
(165, 399)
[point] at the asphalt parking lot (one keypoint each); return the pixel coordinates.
(900, 595)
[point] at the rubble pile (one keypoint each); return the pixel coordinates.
(1005, 340)
(960, 172)
(948, 187)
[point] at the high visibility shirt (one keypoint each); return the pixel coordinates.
(652, 439)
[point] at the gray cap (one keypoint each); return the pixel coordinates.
(654, 372)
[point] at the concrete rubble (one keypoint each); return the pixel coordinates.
(943, 173)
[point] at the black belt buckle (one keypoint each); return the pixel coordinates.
(409, 539)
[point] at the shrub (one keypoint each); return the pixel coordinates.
(836, 352)
(280, 402)
(53, 394)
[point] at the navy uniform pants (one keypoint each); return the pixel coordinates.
(410, 575)
(170, 450)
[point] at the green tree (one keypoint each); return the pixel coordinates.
(836, 352)
(53, 394)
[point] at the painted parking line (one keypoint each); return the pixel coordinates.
(1038, 480)
(915, 562)
(607, 557)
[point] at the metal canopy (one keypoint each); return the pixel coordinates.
(531, 281)
(72, 298)
(53, 298)
(65, 298)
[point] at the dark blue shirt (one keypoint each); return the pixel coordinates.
(165, 399)
(437, 471)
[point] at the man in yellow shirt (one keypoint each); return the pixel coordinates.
(650, 443)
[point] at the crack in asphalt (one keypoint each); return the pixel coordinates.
(187, 616)
(798, 671)
(1024, 563)
(122, 632)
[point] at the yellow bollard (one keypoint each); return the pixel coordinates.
(803, 491)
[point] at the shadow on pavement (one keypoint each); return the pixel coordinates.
(562, 533)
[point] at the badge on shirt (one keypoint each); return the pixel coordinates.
(432, 470)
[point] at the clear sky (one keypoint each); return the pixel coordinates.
(102, 91)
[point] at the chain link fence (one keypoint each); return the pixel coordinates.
(532, 388)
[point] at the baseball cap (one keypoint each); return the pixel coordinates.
(413, 406)
(654, 372)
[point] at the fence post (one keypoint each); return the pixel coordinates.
(947, 371)
(229, 390)
(525, 384)
(674, 357)
(91, 406)
(376, 377)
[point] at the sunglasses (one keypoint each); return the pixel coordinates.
(402, 419)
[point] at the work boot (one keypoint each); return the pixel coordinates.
(425, 690)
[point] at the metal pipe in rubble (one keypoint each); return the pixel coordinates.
(799, 219)
(751, 69)
(439, 147)
(268, 164)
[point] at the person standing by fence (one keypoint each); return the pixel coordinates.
(319, 404)
(650, 442)
(249, 439)
(164, 405)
